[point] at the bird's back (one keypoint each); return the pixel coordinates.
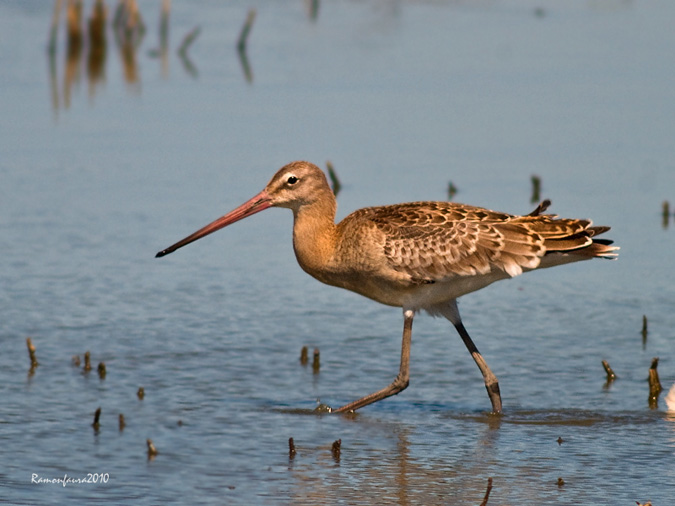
(422, 243)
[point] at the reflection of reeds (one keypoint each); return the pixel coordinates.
(74, 25)
(164, 24)
(97, 45)
(313, 9)
(128, 22)
(163, 51)
(185, 45)
(246, 30)
(75, 43)
(241, 45)
(54, 29)
(129, 30)
(182, 51)
(74, 47)
(188, 40)
(164, 36)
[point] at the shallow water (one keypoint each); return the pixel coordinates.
(402, 97)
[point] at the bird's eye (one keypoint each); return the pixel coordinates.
(292, 180)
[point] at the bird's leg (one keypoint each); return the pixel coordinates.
(491, 384)
(401, 381)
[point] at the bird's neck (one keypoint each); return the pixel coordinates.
(315, 235)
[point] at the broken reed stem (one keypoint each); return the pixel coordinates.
(644, 330)
(487, 492)
(152, 451)
(316, 363)
(653, 367)
(335, 182)
(536, 188)
(304, 355)
(141, 393)
(97, 417)
(31, 354)
(610, 373)
(291, 448)
(246, 30)
(87, 361)
(452, 190)
(655, 387)
(101, 370)
(122, 422)
(336, 449)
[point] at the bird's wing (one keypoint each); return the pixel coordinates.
(436, 241)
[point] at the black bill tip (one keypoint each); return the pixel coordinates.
(162, 253)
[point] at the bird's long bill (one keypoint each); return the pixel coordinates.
(255, 205)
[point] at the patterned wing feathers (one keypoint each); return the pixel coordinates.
(436, 241)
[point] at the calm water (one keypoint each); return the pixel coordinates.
(103, 165)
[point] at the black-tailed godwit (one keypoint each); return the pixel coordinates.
(416, 256)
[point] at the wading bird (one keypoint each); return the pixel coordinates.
(416, 256)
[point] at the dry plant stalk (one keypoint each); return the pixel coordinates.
(655, 387)
(97, 416)
(335, 182)
(316, 363)
(336, 449)
(487, 492)
(610, 373)
(152, 451)
(31, 353)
